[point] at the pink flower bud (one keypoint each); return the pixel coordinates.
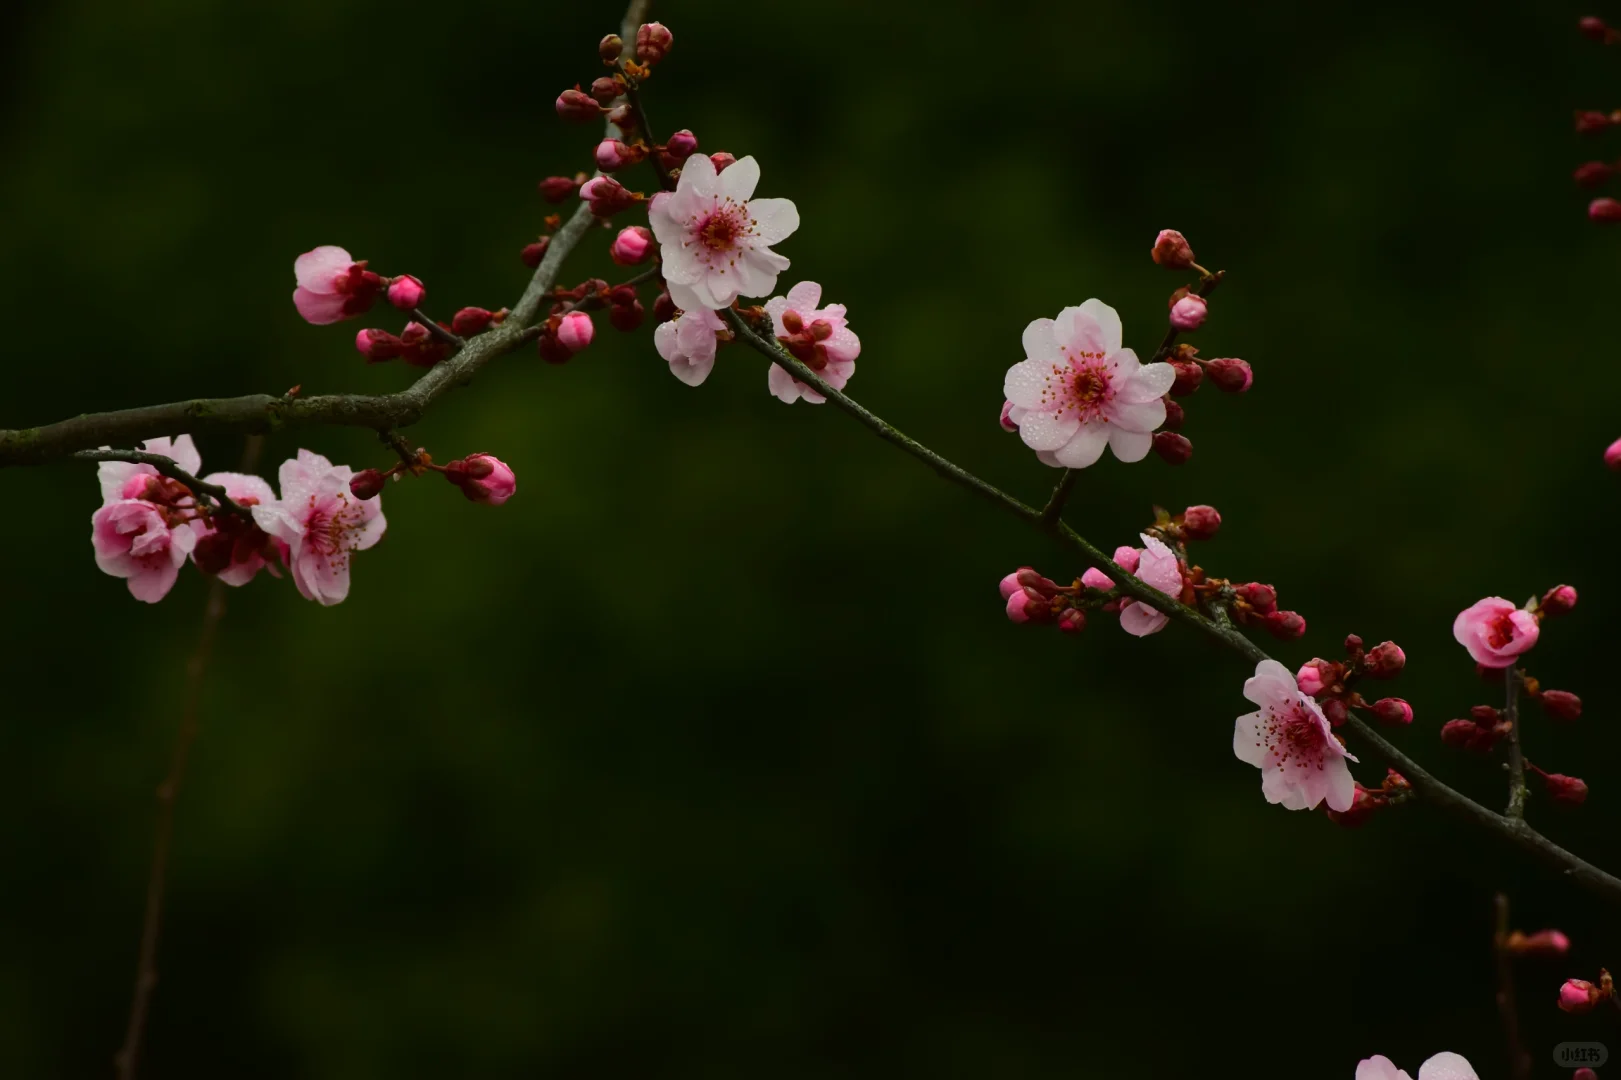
(1285, 625)
(470, 320)
(1127, 558)
(653, 42)
(1010, 584)
(1364, 804)
(1232, 376)
(1200, 522)
(483, 478)
(575, 331)
(1174, 415)
(577, 107)
(533, 253)
(1543, 943)
(1565, 790)
(1558, 600)
(1591, 121)
(1188, 377)
(1316, 675)
(554, 189)
(1385, 660)
(1033, 581)
(1612, 456)
(606, 90)
(632, 246)
(1604, 210)
(1018, 607)
(1171, 250)
(1561, 705)
(1189, 312)
(1094, 578)
(1584, 1074)
(722, 160)
(681, 145)
(610, 47)
(1263, 598)
(613, 154)
(1593, 174)
(1578, 996)
(1006, 421)
(1072, 620)
(1174, 448)
(626, 317)
(1393, 711)
(1353, 646)
(366, 484)
(606, 196)
(553, 351)
(378, 345)
(406, 292)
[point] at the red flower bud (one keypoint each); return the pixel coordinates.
(554, 189)
(1174, 448)
(664, 308)
(1591, 120)
(470, 320)
(610, 47)
(533, 253)
(606, 89)
(1364, 804)
(722, 160)
(378, 345)
(1393, 711)
(1605, 211)
(1484, 715)
(627, 316)
(1558, 600)
(1171, 250)
(681, 145)
(1229, 375)
(576, 106)
(1385, 660)
(1543, 943)
(1188, 377)
(1565, 790)
(1174, 416)
(1561, 705)
(1578, 996)
(1593, 174)
(1200, 522)
(1468, 735)
(1072, 620)
(1336, 711)
(653, 42)
(1285, 625)
(366, 484)
(1263, 598)
(1594, 29)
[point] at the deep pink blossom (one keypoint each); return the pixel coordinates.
(575, 331)
(1495, 631)
(138, 540)
(483, 478)
(715, 239)
(321, 522)
(1006, 421)
(332, 286)
(1612, 455)
(688, 343)
(632, 246)
(819, 338)
(1159, 569)
(1290, 740)
(406, 292)
(234, 549)
(1079, 390)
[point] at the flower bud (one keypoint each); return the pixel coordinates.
(1364, 804)
(1171, 250)
(470, 320)
(575, 331)
(653, 42)
(681, 145)
(1010, 584)
(1173, 447)
(1127, 557)
(606, 90)
(1561, 705)
(554, 189)
(1543, 943)
(1018, 606)
(613, 154)
(1316, 675)
(626, 317)
(486, 479)
(632, 246)
(1484, 715)
(1285, 625)
(664, 308)
(366, 484)
(1072, 620)
(1029, 578)
(1174, 416)
(1395, 781)
(1593, 174)
(1612, 456)
(1584, 1074)
(1578, 996)
(606, 196)
(533, 253)
(1263, 598)
(1188, 377)
(1230, 375)
(406, 292)
(553, 351)
(1565, 790)
(378, 345)
(577, 107)
(1189, 313)
(1094, 578)
(610, 47)
(1558, 600)
(1006, 422)
(1393, 711)
(1604, 210)
(1593, 29)
(1591, 121)
(1200, 522)
(1385, 660)
(1336, 710)
(1353, 646)
(722, 160)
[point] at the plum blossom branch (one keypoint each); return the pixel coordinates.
(1512, 829)
(166, 467)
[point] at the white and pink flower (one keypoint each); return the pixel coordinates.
(1157, 567)
(687, 343)
(819, 338)
(321, 522)
(715, 239)
(1444, 1066)
(332, 286)
(1289, 739)
(127, 480)
(229, 546)
(1079, 390)
(1495, 631)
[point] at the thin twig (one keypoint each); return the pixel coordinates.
(1055, 505)
(453, 340)
(1513, 830)
(633, 96)
(166, 467)
(1207, 285)
(1516, 755)
(1519, 1062)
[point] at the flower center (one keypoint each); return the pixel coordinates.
(1090, 387)
(1499, 632)
(1294, 734)
(721, 231)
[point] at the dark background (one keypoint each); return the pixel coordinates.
(712, 754)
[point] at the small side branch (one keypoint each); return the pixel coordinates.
(166, 467)
(1519, 1062)
(1055, 505)
(1516, 754)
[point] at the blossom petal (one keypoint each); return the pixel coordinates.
(1026, 383)
(740, 179)
(153, 583)
(1142, 416)
(1083, 449)
(1041, 342)
(1092, 327)
(775, 220)
(1447, 1066)
(1379, 1067)
(316, 269)
(1140, 620)
(803, 297)
(1130, 446)
(1272, 684)
(1148, 382)
(1047, 431)
(1341, 788)
(1248, 746)
(319, 309)
(698, 176)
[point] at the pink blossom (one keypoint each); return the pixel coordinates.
(321, 522)
(716, 240)
(1128, 558)
(688, 342)
(1289, 739)
(1159, 569)
(1445, 1066)
(1612, 455)
(1189, 312)
(1495, 631)
(406, 292)
(632, 246)
(140, 541)
(332, 286)
(126, 480)
(1079, 390)
(575, 331)
(819, 338)
(1094, 578)
(1006, 421)
(229, 546)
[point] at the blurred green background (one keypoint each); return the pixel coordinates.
(712, 754)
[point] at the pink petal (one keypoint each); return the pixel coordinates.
(315, 270)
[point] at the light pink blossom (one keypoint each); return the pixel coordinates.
(321, 522)
(227, 545)
(819, 338)
(1157, 568)
(715, 239)
(332, 286)
(1289, 739)
(1444, 1066)
(1079, 390)
(138, 540)
(687, 343)
(126, 480)
(1495, 631)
